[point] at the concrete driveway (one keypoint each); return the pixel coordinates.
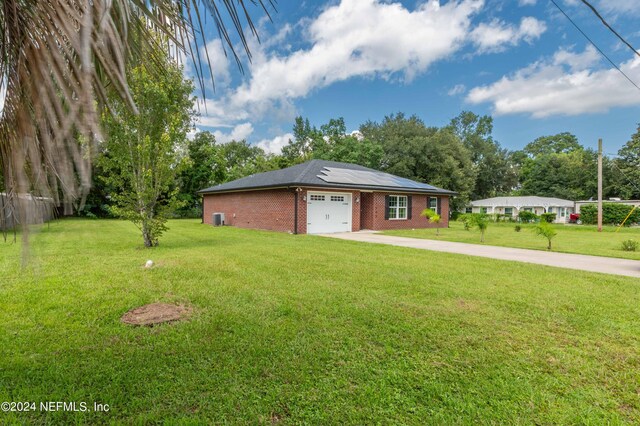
(606, 265)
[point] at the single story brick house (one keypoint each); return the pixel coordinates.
(324, 197)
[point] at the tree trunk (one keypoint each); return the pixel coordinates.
(549, 246)
(146, 235)
(482, 237)
(148, 242)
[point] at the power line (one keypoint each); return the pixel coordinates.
(613, 163)
(606, 24)
(595, 45)
(625, 176)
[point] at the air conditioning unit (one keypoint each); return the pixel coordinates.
(218, 219)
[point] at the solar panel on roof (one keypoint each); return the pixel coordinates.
(362, 177)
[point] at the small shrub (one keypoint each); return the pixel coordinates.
(630, 245)
(465, 219)
(527, 217)
(476, 220)
(518, 228)
(548, 217)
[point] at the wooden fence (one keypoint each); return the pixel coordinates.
(34, 210)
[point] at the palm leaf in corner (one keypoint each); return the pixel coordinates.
(59, 57)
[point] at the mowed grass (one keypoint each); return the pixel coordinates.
(302, 329)
(581, 239)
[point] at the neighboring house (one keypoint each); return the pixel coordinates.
(324, 197)
(511, 206)
(579, 204)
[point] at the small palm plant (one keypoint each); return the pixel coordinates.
(544, 229)
(432, 217)
(481, 221)
(476, 220)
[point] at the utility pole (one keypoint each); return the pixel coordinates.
(599, 185)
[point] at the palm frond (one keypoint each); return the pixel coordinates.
(58, 57)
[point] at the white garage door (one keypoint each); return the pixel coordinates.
(328, 212)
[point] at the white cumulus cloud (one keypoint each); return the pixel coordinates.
(566, 84)
(355, 38)
(496, 36)
(238, 133)
(620, 6)
(275, 145)
(214, 54)
(458, 89)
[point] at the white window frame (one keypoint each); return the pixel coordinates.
(505, 211)
(397, 207)
(435, 209)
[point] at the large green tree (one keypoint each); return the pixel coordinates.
(570, 176)
(203, 165)
(333, 143)
(140, 158)
(562, 143)
(495, 172)
(557, 166)
(330, 142)
(627, 165)
(240, 159)
(425, 154)
(394, 134)
(300, 147)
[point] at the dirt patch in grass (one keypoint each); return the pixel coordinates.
(155, 313)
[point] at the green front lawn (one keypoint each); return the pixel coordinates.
(580, 239)
(304, 329)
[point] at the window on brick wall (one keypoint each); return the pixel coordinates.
(398, 206)
(433, 203)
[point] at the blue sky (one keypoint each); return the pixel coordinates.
(520, 61)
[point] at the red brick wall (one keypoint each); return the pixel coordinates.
(274, 210)
(418, 204)
(269, 209)
(366, 211)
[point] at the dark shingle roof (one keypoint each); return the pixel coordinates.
(327, 174)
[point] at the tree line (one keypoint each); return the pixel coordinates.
(462, 156)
